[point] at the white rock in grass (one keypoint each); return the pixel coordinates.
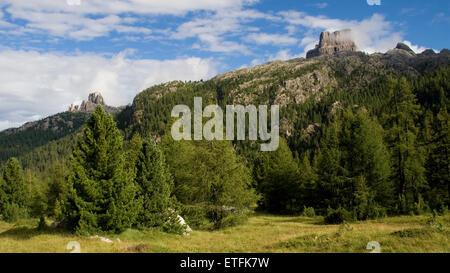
(103, 239)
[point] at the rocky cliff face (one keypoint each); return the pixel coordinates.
(95, 99)
(331, 43)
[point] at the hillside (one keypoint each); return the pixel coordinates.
(17, 142)
(307, 90)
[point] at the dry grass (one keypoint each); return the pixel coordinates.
(262, 233)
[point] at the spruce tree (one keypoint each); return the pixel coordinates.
(353, 166)
(102, 193)
(57, 189)
(155, 185)
(335, 183)
(438, 167)
(368, 156)
(279, 181)
(13, 192)
(133, 148)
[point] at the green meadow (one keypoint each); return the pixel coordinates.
(262, 233)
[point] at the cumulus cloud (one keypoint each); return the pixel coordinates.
(98, 18)
(274, 39)
(213, 29)
(321, 5)
(34, 85)
(176, 7)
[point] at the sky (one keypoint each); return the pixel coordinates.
(55, 52)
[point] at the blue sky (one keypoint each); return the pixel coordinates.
(55, 52)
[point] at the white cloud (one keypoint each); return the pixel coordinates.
(281, 55)
(5, 124)
(97, 18)
(275, 39)
(321, 5)
(216, 44)
(374, 2)
(416, 48)
(76, 26)
(47, 83)
(4, 24)
(212, 30)
(124, 6)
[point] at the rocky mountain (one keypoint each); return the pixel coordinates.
(19, 141)
(337, 76)
(309, 91)
(331, 43)
(95, 99)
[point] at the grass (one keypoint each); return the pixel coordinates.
(262, 233)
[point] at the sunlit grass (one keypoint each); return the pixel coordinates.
(262, 233)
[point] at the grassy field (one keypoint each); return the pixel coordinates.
(262, 233)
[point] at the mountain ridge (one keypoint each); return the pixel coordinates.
(292, 84)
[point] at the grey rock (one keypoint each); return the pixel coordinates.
(403, 46)
(428, 52)
(95, 99)
(331, 43)
(445, 52)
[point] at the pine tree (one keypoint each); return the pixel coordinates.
(102, 193)
(155, 185)
(335, 187)
(438, 166)
(368, 157)
(279, 181)
(57, 189)
(353, 166)
(407, 162)
(13, 192)
(134, 147)
(308, 182)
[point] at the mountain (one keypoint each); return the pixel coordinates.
(317, 83)
(95, 99)
(331, 43)
(16, 142)
(309, 91)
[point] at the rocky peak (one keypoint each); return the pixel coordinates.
(331, 43)
(95, 99)
(403, 46)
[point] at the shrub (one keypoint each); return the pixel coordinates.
(308, 212)
(13, 212)
(338, 216)
(173, 224)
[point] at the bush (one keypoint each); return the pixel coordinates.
(338, 216)
(308, 212)
(213, 217)
(369, 211)
(173, 224)
(13, 212)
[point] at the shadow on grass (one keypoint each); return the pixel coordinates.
(26, 233)
(298, 219)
